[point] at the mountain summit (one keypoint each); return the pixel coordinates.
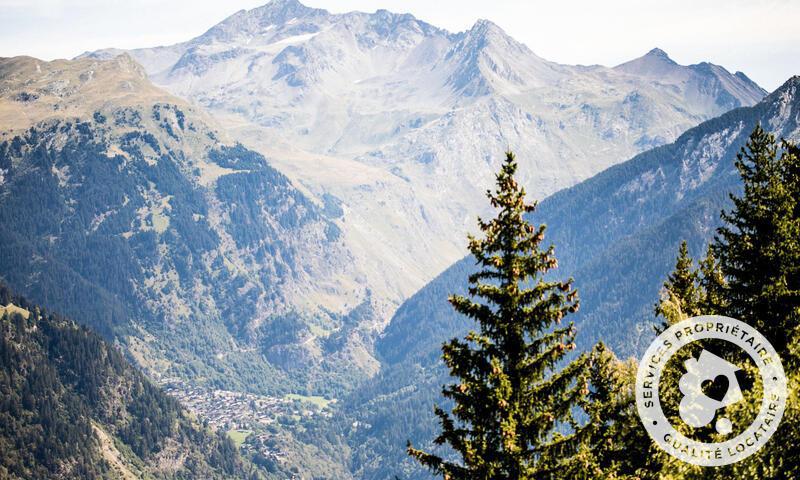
(400, 124)
(654, 63)
(486, 60)
(259, 20)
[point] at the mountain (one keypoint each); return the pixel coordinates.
(402, 124)
(703, 82)
(617, 234)
(74, 408)
(269, 267)
(124, 207)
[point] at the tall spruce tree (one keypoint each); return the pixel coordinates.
(759, 246)
(510, 398)
(682, 297)
(711, 285)
(616, 445)
(690, 291)
(759, 255)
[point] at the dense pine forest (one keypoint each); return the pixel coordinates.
(71, 406)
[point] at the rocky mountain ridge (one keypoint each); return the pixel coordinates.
(403, 123)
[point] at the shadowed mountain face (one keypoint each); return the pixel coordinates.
(121, 206)
(403, 124)
(617, 234)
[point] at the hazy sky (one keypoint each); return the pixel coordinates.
(760, 38)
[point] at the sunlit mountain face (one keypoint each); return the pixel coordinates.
(401, 124)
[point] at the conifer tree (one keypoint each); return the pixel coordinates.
(510, 397)
(680, 296)
(759, 252)
(617, 445)
(759, 247)
(711, 285)
(757, 280)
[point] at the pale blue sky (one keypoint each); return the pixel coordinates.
(760, 38)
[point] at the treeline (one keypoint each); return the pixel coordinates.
(62, 389)
(522, 407)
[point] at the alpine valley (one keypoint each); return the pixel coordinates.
(267, 219)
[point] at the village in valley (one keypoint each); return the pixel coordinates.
(250, 420)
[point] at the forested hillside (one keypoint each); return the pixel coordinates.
(616, 234)
(71, 406)
(124, 208)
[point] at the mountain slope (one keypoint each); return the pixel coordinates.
(123, 206)
(401, 122)
(617, 234)
(74, 408)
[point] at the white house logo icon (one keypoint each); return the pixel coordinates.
(709, 384)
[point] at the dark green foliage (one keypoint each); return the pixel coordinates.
(759, 256)
(238, 157)
(711, 285)
(59, 382)
(510, 397)
(759, 245)
(615, 446)
(757, 280)
(248, 220)
(680, 296)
